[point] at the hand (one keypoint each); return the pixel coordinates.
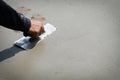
(36, 28)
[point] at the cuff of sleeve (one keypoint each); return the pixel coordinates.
(27, 24)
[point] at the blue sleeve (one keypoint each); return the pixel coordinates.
(9, 18)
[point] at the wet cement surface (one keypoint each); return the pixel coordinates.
(86, 45)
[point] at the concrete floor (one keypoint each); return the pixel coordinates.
(86, 45)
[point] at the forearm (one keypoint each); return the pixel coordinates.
(11, 19)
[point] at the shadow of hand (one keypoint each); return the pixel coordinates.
(10, 52)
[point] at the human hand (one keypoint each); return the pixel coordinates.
(36, 28)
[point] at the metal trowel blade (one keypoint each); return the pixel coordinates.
(29, 43)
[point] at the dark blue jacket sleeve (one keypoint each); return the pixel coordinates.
(9, 18)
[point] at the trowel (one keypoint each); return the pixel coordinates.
(29, 43)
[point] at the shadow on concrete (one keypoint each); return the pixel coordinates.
(9, 52)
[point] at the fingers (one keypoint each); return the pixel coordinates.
(36, 29)
(41, 31)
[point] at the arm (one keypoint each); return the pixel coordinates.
(9, 18)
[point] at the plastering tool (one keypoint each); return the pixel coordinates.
(29, 43)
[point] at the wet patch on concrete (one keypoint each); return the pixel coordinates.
(38, 17)
(23, 10)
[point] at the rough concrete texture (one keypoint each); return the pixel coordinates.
(86, 45)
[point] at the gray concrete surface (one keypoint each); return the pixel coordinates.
(86, 45)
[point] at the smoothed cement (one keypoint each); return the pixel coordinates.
(85, 46)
